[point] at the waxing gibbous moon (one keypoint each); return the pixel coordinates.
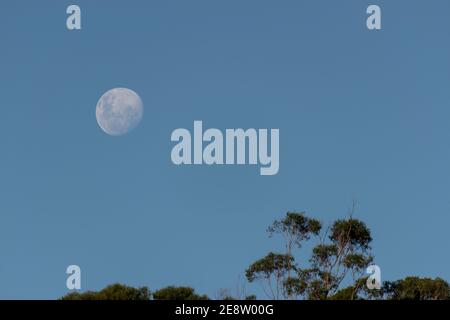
(118, 111)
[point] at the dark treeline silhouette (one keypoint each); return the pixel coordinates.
(335, 270)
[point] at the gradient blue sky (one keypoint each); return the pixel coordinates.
(362, 115)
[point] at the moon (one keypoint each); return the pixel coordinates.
(118, 111)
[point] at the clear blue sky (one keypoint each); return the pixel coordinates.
(362, 115)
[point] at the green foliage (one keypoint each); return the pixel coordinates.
(351, 232)
(348, 293)
(322, 253)
(230, 298)
(295, 286)
(415, 288)
(357, 291)
(357, 261)
(122, 292)
(112, 292)
(272, 263)
(273, 268)
(296, 226)
(178, 293)
(344, 255)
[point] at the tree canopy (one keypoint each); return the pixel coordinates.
(343, 251)
(112, 292)
(335, 269)
(123, 292)
(178, 293)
